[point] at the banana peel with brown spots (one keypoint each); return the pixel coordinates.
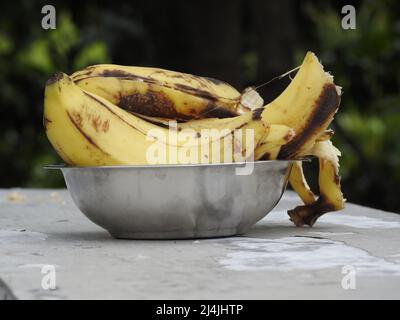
(100, 116)
(319, 101)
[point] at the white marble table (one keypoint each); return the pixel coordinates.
(351, 254)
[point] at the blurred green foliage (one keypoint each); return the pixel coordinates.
(365, 62)
(28, 56)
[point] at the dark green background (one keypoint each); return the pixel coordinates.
(242, 42)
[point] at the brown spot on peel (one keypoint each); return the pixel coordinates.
(157, 104)
(54, 78)
(197, 92)
(79, 128)
(77, 118)
(96, 122)
(151, 103)
(115, 73)
(309, 214)
(257, 113)
(266, 156)
(110, 110)
(326, 106)
(337, 179)
(106, 126)
(46, 122)
(157, 123)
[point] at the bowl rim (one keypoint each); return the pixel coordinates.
(155, 166)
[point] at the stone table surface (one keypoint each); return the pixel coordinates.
(350, 254)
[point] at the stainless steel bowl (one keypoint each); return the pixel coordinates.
(176, 201)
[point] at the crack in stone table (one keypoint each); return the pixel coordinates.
(357, 247)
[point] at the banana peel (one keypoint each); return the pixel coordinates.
(160, 93)
(88, 130)
(310, 114)
(331, 196)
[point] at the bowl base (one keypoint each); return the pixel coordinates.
(176, 235)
